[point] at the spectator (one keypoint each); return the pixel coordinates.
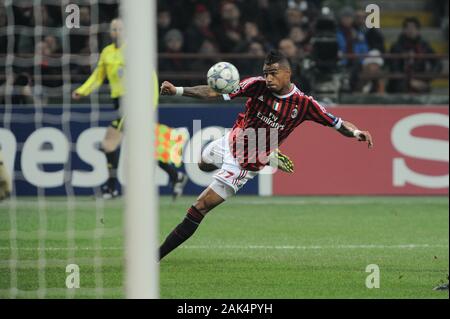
(324, 54)
(47, 65)
(53, 45)
(22, 90)
(182, 10)
(30, 16)
(374, 37)
(288, 48)
(203, 65)
(310, 9)
(302, 39)
(173, 43)
(269, 16)
(256, 49)
(298, 4)
(251, 67)
(251, 35)
(23, 16)
(349, 39)
(164, 25)
(230, 33)
(365, 79)
(295, 18)
(85, 16)
(305, 5)
(79, 43)
(410, 41)
(200, 30)
(42, 17)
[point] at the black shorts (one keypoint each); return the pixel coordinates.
(117, 123)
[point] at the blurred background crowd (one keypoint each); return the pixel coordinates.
(327, 41)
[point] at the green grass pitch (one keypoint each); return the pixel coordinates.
(249, 247)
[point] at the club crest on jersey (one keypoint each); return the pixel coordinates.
(276, 106)
(294, 113)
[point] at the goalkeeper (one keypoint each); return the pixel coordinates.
(5, 181)
(111, 66)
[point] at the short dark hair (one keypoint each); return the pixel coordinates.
(411, 20)
(275, 56)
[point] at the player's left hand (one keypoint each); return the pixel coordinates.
(365, 136)
(283, 162)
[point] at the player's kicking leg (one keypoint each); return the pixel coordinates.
(109, 146)
(227, 181)
(195, 214)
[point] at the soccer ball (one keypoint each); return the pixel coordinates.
(223, 77)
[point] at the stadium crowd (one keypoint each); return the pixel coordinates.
(300, 29)
(256, 26)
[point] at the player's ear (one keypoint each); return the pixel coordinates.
(288, 72)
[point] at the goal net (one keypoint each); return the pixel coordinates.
(58, 237)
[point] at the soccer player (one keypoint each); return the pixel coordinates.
(5, 181)
(275, 106)
(111, 66)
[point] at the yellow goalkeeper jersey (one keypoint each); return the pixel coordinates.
(111, 66)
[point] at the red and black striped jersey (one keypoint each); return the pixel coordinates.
(269, 119)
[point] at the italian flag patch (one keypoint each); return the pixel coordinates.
(276, 106)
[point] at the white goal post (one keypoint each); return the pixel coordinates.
(141, 230)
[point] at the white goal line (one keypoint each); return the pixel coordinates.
(250, 247)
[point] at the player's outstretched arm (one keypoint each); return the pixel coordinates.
(201, 91)
(350, 130)
(94, 81)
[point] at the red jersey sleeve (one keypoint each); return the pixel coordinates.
(319, 114)
(247, 88)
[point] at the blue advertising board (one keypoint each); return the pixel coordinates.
(55, 150)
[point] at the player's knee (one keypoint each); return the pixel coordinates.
(107, 147)
(202, 206)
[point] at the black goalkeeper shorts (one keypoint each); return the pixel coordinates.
(117, 123)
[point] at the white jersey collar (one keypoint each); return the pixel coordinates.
(292, 91)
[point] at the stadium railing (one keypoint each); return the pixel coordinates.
(190, 75)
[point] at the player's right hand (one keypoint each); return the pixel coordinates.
(168, 88)
(75, 95)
